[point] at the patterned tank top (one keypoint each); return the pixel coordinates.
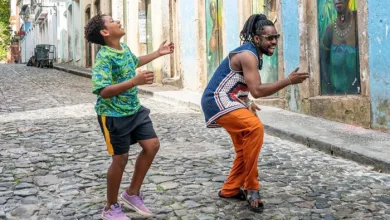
(227, 90)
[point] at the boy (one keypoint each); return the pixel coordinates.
(225, 103)
(122, 119)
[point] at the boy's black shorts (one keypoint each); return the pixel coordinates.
(121, 132)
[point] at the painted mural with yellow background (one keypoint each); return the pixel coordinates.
(339, 47)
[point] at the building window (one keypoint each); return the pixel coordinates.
(339, 54)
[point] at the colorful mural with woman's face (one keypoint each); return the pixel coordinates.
(339, 53)
(341, 5)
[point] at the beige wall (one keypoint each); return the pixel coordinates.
(132, 33)
(84, 5)
(161, 27)
(160, 32)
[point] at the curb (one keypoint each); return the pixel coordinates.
(328, 148)
(74, 72)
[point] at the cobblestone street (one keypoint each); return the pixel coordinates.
(53, 162)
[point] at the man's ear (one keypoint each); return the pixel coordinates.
(256, 39)
(104, 33)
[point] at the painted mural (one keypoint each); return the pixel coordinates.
(213, 35)
(339, 54)
(269, 73)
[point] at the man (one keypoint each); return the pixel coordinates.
(225, 103)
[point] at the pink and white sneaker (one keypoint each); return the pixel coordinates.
(136, 203)
(114, 213)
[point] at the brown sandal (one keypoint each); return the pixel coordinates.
(251, 196)
(239, 196)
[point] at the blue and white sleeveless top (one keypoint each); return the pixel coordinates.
(227, 90)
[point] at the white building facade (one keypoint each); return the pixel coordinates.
(52, 22)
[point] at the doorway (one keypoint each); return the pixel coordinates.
(88, 45)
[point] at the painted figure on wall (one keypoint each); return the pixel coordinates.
(214, 44)
(339, 54)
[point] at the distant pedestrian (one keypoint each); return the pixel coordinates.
(225, 103)
(123, 120)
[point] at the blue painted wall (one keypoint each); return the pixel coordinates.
(379, 53)
(291, 46)
(230, 20)
(188, 43)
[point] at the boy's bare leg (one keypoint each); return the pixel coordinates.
(150, 148)
(114, 178)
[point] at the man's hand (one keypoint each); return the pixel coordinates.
(253, 108)
(144, 77)
(165, 49)
(296, 78)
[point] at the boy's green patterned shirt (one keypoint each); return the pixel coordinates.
(113, 67)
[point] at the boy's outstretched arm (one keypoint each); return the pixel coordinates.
(162, 50)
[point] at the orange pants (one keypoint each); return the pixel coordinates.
(247, 133)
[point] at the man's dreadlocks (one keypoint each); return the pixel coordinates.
(254, 25)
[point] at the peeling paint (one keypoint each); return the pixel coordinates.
(291, 46)
(379, 53)
(384, 106)
(378, 77)
(379, 40)
(187, 31)
(230, 23)
(381, 121)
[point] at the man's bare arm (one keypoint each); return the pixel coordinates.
(252, 77)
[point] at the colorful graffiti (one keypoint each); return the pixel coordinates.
(339, 54)
(269, 73)
(213, 35)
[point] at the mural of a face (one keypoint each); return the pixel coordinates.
(341, 5)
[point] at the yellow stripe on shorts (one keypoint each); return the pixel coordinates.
(110, 149)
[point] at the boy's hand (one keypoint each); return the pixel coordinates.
(165, 49)
(144, 77)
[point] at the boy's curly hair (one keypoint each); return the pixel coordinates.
(93, 28)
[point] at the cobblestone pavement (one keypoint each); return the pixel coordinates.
(53, 162)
